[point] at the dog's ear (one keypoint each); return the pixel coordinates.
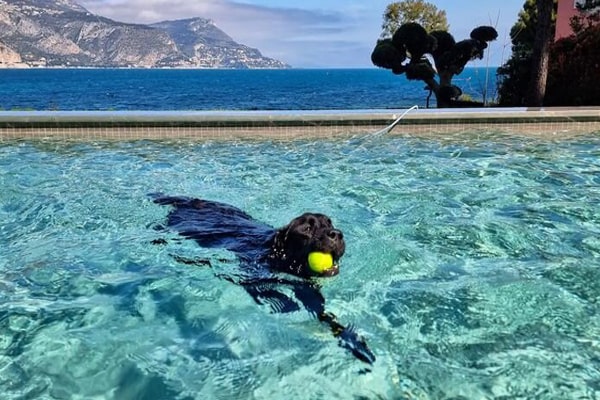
(281, 237)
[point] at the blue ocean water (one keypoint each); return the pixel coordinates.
(472, 269)
(164, 89)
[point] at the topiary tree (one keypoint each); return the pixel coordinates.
(405, 53)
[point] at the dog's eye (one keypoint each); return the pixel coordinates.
(309, 225)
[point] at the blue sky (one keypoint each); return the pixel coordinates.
(313, 33)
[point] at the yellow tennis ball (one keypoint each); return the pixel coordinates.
(320, 262)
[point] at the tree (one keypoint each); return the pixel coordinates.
(412, 42)
(541, 54)
(589, 15)
(514, 76)
(575, 69)
(575, 61)
(401, 12)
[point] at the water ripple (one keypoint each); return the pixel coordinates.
(471, 269)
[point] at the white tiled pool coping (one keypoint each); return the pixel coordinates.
(292, 124)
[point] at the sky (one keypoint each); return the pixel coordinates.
(315, 33)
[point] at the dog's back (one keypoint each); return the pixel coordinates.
(214, 224)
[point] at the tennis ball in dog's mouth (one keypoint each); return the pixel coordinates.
(320, 262)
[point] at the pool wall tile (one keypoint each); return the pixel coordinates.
(226, 125)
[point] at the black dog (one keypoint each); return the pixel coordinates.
(265, 253)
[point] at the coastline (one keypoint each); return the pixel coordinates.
(26, 66)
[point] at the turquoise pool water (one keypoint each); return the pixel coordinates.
(472, 269)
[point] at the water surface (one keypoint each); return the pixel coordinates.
(176, 89)
(472, 268)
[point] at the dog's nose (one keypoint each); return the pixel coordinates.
(335, 234)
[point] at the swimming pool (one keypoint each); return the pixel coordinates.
(472, 269)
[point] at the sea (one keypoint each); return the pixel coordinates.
(41, 89)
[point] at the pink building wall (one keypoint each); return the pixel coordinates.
(566, 10)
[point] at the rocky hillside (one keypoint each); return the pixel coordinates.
(205, 45)
(62, 33)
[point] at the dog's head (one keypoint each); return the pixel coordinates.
(303, 235)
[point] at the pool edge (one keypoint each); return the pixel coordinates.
(289, 124)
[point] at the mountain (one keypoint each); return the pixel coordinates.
(63, 33)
